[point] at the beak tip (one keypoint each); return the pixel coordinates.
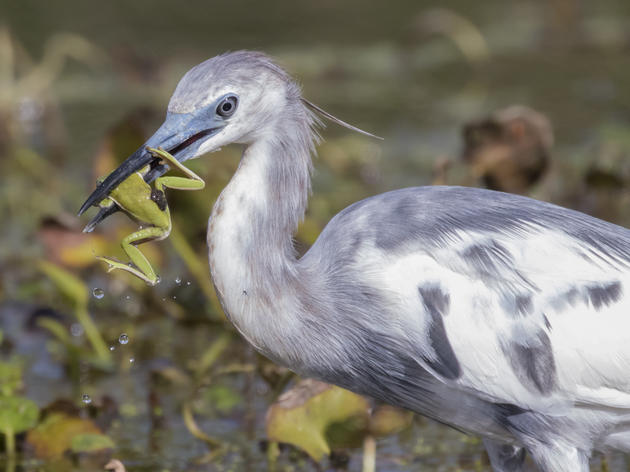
(87, 204)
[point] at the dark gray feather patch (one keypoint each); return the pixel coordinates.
(601, 295)
(437, 304)
(533, 362)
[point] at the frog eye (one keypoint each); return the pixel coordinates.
(227, 106)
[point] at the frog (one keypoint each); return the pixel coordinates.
(147, 205)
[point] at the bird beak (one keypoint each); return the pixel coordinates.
(179, 135)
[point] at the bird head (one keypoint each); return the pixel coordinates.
(237, 97)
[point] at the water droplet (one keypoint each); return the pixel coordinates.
(188, 283)
(158, 280)
(123, 339)
(174, 297)
(76, 329)
(128, 297)
(98, 293)
(178, 280)
(132, 360)
(86, 399)
(112, 348)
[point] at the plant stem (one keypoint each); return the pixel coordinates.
(9, 442)
(195, 430)
(369, 454)
(92, 333)
(273, 452)
(211, 354)
(197, 269)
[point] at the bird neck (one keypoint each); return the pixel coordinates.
(250, 233)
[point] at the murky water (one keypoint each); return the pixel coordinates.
(375, 64)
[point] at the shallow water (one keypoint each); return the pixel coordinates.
(363, 61)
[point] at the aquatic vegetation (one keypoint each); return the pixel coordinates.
(318, 418)
(59, 432)
(77, 293)
(17, 414)
(416, 82)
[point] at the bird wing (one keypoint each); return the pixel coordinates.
(541, 317)
(514, 300)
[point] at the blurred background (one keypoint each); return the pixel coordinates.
(529, 97)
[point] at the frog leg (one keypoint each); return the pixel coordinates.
(191, 182)
(141, 267)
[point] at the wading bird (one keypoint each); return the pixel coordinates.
(494, 313)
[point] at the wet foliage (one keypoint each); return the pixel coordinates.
(100, 370)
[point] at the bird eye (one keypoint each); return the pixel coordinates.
(227, 106)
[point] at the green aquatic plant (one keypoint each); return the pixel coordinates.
(90, 442)
(60, 432)
(76, 291)
(17, 414)
(10, 377)
(317, 418)
(314, 416)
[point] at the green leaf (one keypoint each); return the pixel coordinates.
(10, 378)
(57, 329)
(91, 443)
(315, 416)
(68, 284)
(223, 398)
(17, 414)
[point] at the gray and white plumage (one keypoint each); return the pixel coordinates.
(496, 314)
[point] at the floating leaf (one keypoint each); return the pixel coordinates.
(91, 442)
(315, 416)
(54, 436)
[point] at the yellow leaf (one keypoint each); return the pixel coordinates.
(51, 438)
(304, 416)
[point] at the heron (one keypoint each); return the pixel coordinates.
(496, 314)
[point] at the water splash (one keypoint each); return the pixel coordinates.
(76, 329)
